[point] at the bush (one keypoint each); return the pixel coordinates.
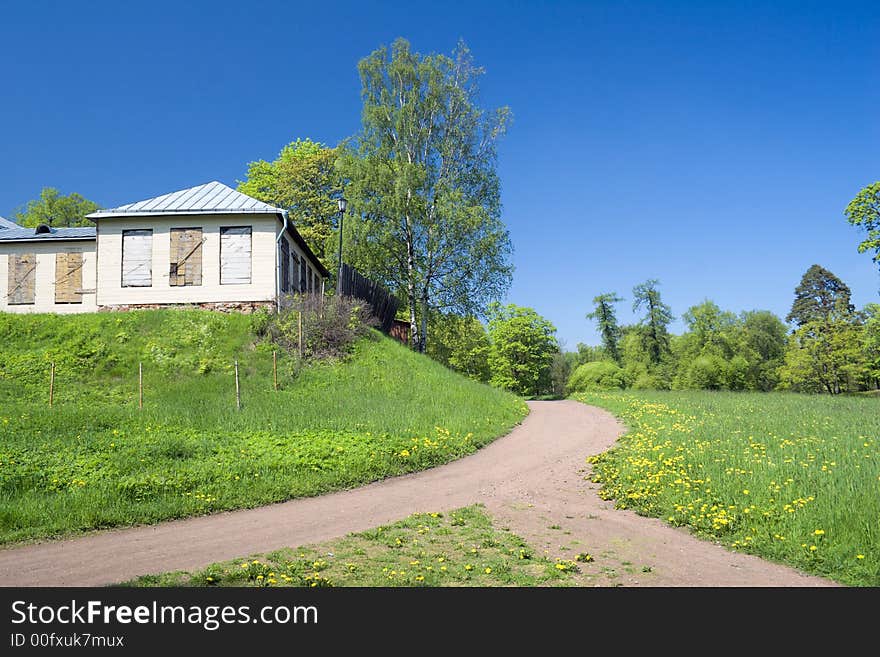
(598, 375)
(330, 325)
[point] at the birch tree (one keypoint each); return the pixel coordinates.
(423, 185)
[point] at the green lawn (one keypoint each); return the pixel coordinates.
(462, 548)
(793, 478)
(94, 460)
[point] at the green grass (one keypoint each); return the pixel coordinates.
(792, 478)
(462, 548)
(94, 460)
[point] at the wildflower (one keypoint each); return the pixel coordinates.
(468, 567)
(813, 548)
(819, 532)
(488, 570)
(860, 556)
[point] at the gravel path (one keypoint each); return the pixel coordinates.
(532, 481)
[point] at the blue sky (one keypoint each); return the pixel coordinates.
(711, 145)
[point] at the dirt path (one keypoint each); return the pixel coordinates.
(531, 481)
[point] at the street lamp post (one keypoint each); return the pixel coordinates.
(342, 205)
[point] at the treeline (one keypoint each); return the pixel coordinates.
(831, 347)
(825, 345)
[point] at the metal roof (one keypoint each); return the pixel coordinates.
(5, 223)
(210, 198)
(22, 234)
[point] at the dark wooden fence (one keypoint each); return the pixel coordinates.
(384, 304)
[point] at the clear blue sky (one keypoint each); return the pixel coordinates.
(711, 145)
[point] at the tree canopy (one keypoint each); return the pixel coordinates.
(423, 184)
(54, 209)
(303, 180)
(523, 346)
(658, 317)
(606, 318)
(864, 211)
(819, 296)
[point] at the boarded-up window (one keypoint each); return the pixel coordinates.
(68, 277)
(294, 272)
(316, 282)
(303, 272)
(235, 255)
(285, 266)
(186, 257)
(137, 258)
(22, 278)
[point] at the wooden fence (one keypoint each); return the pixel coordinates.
(384, 304)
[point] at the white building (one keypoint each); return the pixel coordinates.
(209, 246)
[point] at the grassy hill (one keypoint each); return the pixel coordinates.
(95, 460)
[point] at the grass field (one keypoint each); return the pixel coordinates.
(94, 460)
(792, 478)
(462, 548)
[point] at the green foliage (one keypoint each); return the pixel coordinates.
(304, 180)
(423, 184)
(462, 344)
(523, 344)
(864, 211)
(791, 478)
(599, 375)
(56, 210)
(94, 460)
(606, 319)
(658, 317)
(826, 356)
(820, 296)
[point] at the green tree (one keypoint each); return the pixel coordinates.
(825, 356)
(424, 186)
(523, 346)
(864, 211)
(658, 317)
(303, 180)
(606, 320)
(564, 362)
(711, 328)
(871, 344)
(56, 210)
(761, 341)
(462, 344)
(820, 296)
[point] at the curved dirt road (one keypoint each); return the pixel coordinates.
(531, 480)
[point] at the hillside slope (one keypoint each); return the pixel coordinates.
(95, 460)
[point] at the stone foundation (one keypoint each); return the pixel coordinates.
(246, 307)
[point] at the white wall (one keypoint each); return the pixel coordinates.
(44, 286)
(261, 288)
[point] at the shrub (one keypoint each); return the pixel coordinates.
(598, 375)
(330, 325)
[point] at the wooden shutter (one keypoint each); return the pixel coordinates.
(186, 257)
(137, 258)
(22, 278)
(235, 255)
(285, 266)
(68, 277)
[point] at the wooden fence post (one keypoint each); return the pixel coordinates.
(275, 370)
(140, 385)
(237, 389)
(52, 385)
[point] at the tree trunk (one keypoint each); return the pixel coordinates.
(423, 335)
(411, 295)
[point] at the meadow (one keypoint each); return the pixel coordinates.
(792, 478)
(95, 460)
(460, 548)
